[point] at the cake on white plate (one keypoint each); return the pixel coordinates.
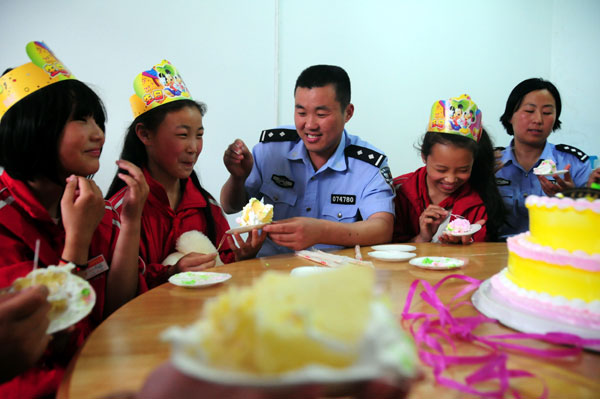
(288, 329)
(553, 270)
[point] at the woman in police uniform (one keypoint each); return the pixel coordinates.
(532, 112)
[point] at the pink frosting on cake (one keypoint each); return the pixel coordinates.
(459, 225)
(579, 204)
(521, 246)
(576, 312)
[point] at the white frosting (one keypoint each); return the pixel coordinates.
(579, 204)
(558, 302)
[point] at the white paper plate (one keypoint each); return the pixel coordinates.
(558, 172)
(79, 295)
(79, 306)
(245, 229)
(491, 304)
(394, 247)
(437, 262)
(474, 229)
(306, 270)
(391, 256)
(198, 279)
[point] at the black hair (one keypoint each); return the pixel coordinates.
(516, 98)
(323, 75)
(30, 130)
(482, 178)
(134, 151)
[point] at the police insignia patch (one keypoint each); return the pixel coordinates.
(364, 154)
(387, 175)
(569, 149)
(502, 182)
(282, 181)
(276, 135)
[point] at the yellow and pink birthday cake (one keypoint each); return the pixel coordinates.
(554, 268)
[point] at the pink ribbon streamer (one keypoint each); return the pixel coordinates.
(429, 329)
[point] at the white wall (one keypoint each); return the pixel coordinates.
(242, 58)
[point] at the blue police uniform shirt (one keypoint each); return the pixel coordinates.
(345, 189)
(515, 183)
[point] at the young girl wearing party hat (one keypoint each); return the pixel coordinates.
(165, 140)
(51, 137)
(457, 180)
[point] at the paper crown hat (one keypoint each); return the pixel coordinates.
(157, 86)
(43, 70)
(458, 115)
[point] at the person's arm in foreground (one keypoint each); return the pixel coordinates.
(302, 232)
(239, 161)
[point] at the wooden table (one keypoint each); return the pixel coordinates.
(122, 351)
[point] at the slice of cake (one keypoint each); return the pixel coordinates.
(325, 327)
(256, 212)
(546, 167)
(459, 225)
(54, 278)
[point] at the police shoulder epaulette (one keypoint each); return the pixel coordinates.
(274, 135)
(364, 154)
(569, 149)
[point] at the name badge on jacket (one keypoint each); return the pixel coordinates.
(343, 199)
(95, 267)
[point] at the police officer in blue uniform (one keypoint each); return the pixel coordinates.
(532, 113)
(328, 188)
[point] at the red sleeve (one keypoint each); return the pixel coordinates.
(221, 226)
(406, 225)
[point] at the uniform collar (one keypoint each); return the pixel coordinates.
(336, 162)
(509, 156)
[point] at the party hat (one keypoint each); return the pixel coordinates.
(157, 86)
(44, 70)
(458, 115)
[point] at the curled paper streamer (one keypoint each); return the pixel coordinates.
(428, 329)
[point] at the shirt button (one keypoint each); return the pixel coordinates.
(339, 215)
(307, 209)
(276, 198)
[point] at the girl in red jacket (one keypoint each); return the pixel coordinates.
(165, 140)
(51, 137)
(456, 181)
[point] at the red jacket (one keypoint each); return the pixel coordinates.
(412, 199)
(162, 226)
(23, 220)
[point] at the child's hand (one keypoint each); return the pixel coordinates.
(238, 159)
(135, 198)
(82, 209)
(429, 221)
(249, 248)
(552, 187)
(194, 262)
(447, 238)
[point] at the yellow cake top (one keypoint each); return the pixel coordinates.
(256, 212)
